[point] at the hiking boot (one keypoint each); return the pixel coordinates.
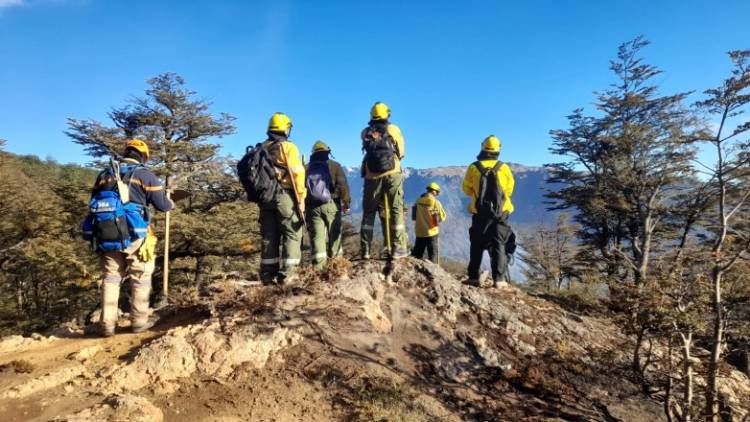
(106, 331)
(400, 253)
(267, 278)
(472, 282)
(502, 285)
(139, 328)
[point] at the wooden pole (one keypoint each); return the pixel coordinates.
(387, 226)
(165, 270)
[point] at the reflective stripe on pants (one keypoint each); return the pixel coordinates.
(324, 224)
(373, 201)
(280, 228)
(119, 265)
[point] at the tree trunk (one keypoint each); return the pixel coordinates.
(636, 364)
(687, 374)
(712, 377)
(19, 297)
(668, 411)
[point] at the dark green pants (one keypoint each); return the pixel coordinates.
(324, 224)
(280, 228)
(376, 191)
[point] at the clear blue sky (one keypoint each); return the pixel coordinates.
(451, 71)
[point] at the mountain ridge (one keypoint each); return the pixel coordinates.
(528, 199)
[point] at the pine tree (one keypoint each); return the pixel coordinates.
(626, 169)
(213, 223)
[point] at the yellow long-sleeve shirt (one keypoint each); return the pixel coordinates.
(428, 214)
(288, 158)
(504, 178)
(398, 137)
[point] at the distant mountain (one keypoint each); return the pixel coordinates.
(528, 199)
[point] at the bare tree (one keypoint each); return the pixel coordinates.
(549, 254)
(729, 179)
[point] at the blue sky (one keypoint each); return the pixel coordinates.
(451, 71)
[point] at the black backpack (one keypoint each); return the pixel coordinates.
(380, 151)
(257, 174)
(318, 183)
(491, 198)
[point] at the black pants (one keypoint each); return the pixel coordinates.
(488, 234)
(429, 243)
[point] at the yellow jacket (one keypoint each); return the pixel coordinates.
(504, 178)
(397, 136)
(428, 214)
(292, 165)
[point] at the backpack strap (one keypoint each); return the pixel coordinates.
(482, 169)
(128, 177)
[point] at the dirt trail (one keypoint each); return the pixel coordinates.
(423, 348)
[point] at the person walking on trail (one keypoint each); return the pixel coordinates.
(427, 214)
(282, 215)
(118, 228)
(383, 145)
(489, 185)
(327, 197)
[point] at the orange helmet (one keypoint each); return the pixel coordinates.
(139, 146)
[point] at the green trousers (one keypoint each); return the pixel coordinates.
(375, 193)
(324, 223)
(280, 228)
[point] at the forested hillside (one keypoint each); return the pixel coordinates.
(47, 273)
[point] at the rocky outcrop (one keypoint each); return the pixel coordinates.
(350, 347)
(45, 382)
(214, 348)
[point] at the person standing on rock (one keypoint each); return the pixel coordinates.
(427, 214)
(489, 185)
(281, 217)
(327, 197)
(118, 228)
(384, 149)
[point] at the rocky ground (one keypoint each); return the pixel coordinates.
(345, 345)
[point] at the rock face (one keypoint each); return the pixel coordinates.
(355, 347)
(45, 382)
(214, 348)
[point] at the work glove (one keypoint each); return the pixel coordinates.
(147, 251)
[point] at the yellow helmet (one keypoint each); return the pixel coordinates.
(491, 144)
(380, 111)
(320, 146)
(281, 123)
(434, 186)
(139, 146)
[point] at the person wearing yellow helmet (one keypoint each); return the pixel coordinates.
(383, 144)
(126, 247)
(281, 226)
(327, 197)
(427, 214)
(489, 185)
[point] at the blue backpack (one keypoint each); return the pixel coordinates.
(318, 183)
(113, 222)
